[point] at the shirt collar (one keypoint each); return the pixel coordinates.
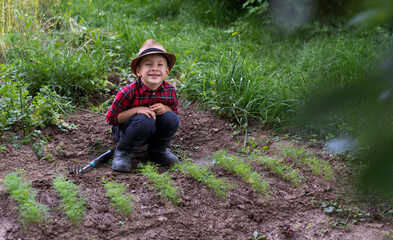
(145, 88)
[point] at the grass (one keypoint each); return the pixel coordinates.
(21, 191)
(73, 201)
(202, 174)
(238, 65)
(162, 182)
(304, 158)
(243, 170)
(46, 60)
(14, 13)
(281, 169)
(117, 193)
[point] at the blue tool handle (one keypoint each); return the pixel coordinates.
(102, 158)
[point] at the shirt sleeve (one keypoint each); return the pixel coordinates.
(170, 94)
(121, 103)
(175, 103)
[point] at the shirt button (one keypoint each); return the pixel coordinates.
(154, 93)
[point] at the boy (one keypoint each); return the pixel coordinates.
(145, 112)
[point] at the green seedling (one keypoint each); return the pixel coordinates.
(304, 158)
(351, 213)
(389, 235)
(281, 169)
(73, 202)
(21, 191)
(243, 170)
(162, 182)
(117, 193)
(256, 236)
(3, 148)
(205, 176)
(265, 148)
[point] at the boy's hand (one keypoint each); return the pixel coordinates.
(160, 108)
(147, 111)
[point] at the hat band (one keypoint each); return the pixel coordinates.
(150, 50)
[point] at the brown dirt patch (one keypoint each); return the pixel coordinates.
(201, 214)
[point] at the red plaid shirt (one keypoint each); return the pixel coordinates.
(137, 94)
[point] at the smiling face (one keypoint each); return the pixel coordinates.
(152, 69)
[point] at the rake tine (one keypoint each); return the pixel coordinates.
(73, 168)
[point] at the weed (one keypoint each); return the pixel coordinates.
(162, 182)
(205, 176)
(120, 200)
(243, 170)
(3, 148)
(300, 156)
(178, 151)
(249, 146)
(38, 146)
(21, 191)
(60, 149)
(16, 143)
(73, 202)
(281, 169)
(18, 106)
(288, 231)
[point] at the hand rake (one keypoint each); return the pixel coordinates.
(74, 168)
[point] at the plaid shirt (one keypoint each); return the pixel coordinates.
(137, 94)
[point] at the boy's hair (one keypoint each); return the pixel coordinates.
(152, 47)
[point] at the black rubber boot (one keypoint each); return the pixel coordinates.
(123, 153)
(158, 152)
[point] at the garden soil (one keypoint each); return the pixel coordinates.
(288, 213)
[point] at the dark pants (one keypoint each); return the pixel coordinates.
(139, 129)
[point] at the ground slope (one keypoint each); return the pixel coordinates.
(289, 213)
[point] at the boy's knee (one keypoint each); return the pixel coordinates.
(143, 122)
(166, 125)
(140, 125)
(169, 120)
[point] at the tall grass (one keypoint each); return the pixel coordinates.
(71, 63)
(14, 13)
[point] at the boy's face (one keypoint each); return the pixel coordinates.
(152, 69)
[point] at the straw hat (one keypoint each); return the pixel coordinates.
(152, 47)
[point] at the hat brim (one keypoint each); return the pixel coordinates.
(169, 56)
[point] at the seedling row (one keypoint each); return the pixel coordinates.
(73, 201)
